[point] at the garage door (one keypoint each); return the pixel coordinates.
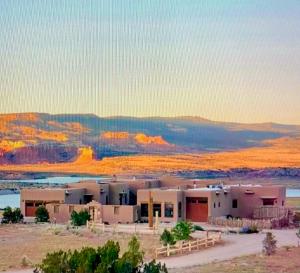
(30, 210)
(197, 209)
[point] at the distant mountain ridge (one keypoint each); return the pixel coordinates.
(42, 137)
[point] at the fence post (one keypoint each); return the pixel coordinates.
(190, 246)
(181, 250)
(168, 250)
(87, 224)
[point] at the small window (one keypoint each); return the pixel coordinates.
(179, 209)
(116, 210)
(214, 205)
(219, 205)
(56, 209)
(144, 210)
(234, 203)
(169, 210)
(157, 208)
(268, 202)
(283, 203)
(71, 209)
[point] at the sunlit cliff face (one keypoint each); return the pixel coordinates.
(139, 138)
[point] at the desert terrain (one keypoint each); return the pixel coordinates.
(278, 153)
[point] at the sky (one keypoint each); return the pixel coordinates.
(223, 60)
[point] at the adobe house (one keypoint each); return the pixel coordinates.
(174, 199)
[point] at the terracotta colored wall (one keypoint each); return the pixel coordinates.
(247, 202)
(45, 195)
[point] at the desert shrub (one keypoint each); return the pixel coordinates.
(167, 238)
(249, 230)
(80, 218)
(269, 244)
(154, 267)
(198, 228)
(105, 259)
(42, 214)
(182, 231)
(12, 215)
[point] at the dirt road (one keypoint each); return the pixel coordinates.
(235, 246)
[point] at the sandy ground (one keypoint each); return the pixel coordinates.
(35, 241)
(234, 246)
(285, 260)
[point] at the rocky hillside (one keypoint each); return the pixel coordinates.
(35, 138)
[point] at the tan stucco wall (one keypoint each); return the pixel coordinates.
(64, 214)
(94, 188)
(172, 196)
(114, 190)
(126, 214)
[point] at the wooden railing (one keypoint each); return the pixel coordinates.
(189, 246)
(269, 212)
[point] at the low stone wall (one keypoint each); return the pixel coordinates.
(239, 223)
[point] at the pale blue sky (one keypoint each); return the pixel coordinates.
(223, 60)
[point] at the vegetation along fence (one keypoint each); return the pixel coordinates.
(119, 228)
(189, 246)
(259, 223)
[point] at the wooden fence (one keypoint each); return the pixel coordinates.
(270, 212)
(189, 246)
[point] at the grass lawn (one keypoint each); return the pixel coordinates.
(35, 241)
(284, 261)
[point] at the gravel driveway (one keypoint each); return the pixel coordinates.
(235, 246)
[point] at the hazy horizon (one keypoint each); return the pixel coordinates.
(220, 60)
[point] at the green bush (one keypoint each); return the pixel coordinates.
(104, 259)
(154, 267)
(12, 216)
(41, 214)
(167, 238)
(198, 228)
(80, 218)
(182, 231)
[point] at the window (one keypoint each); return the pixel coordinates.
(157, 208)
(268, 202)
(234, 203)
(214, 205)
(283, 203)
(144, 210)
(219, 205)
(71, 209)
(56, 209)
(169, 210)
(116, 210)
(179, 209)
